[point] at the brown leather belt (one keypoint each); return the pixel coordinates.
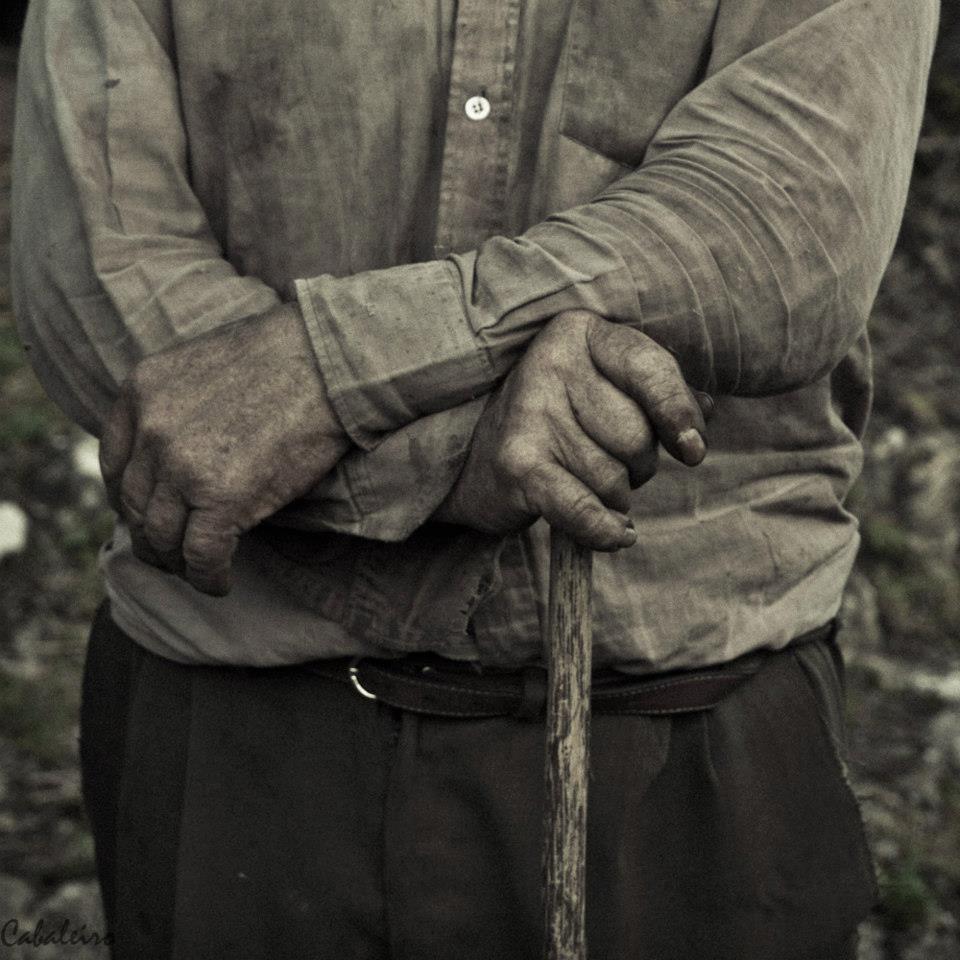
(429, 684)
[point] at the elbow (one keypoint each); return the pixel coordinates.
(66, 368)
(812, 332)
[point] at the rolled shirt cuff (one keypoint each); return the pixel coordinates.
(393, 345)
(390, 491)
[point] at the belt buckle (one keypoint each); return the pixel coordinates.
(355, 680)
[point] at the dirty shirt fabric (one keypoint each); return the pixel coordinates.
(281, 815)
(433, 181)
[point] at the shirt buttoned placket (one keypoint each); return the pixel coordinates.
(474, 181)
(475, 172)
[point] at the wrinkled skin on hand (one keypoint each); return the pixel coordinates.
(573, 428)
(211, 437)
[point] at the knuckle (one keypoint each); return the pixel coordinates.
(132, 492)
(540, 481)
(611, 339)
(555, 354)
(570, 320)
(640, 351)
(179, 462)
(638, 361)
(131, 513)
(647, 360)
(160, 528)
(670, 398)
(160, 538)
(582, 512)
(565, 336)
(202, 555)
(208, 543)
(190, 475)
(610, 477)
(151, 431)
(675, 412)
(516, 458)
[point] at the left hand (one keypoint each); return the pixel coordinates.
(573, 428)
(211, 437)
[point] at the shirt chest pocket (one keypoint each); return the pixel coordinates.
(627, 64)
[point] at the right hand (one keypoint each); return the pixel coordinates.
(573, 429)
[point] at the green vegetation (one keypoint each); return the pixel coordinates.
(905, 897)
(11, 352)
(38, 714)
(886, 541)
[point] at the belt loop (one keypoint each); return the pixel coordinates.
(533, 694)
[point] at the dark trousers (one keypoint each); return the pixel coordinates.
(248, 813)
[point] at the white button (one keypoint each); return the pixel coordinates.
(477, 108)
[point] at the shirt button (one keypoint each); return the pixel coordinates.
(477, 108)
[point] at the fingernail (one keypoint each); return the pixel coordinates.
(628, 535)
(706, 403)
(692, 447)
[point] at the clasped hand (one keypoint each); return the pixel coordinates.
(211, 437)
(573, 429)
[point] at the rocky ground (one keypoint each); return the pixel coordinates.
(902, 613)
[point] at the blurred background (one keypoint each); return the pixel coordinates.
(902, 616)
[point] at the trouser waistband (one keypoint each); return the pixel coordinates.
(430, 684)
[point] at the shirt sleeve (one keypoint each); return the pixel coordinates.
(750, 241)
(113, 257)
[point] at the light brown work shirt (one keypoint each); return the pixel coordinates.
(434, 180)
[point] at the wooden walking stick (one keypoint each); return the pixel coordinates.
(568, 745)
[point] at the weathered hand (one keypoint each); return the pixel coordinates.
(212, 436)
(572, 429)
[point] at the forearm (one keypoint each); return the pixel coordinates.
(112, 255)
(387, 492)
(750, 242)
(114, 260)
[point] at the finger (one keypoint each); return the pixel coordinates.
(209, 543)
(565, 502)
(136, 487)
(602, 474)
(164, 525)
(615, 422)
(116, 445)
(650, 375)
(143, 551)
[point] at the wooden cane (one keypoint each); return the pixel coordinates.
(568, 745)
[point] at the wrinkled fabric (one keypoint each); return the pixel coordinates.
(728, 834)
(726, 175)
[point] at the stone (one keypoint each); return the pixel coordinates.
(871, 946)
(893, 442)
(15, 897)
(932, 500)
(86, 458)
(944, 734)
(937, 941)
(14, 526)
(80, 906)
(860, 615)
(898, 676)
